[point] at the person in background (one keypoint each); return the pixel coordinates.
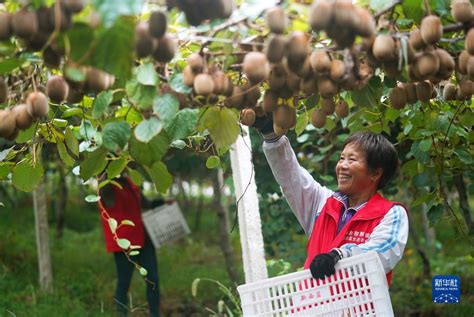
(353, 220)
(126, 203)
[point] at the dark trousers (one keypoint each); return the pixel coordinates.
(147, 259)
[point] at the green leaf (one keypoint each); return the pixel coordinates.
(146, 75)
(160, 176)
(123, 243)
(166, 106)
(26, 135)
(194, 287)
(127, 222)
(222, 124)
(87, 130)
(136, 177)
(101, 103)
(425, 145)
(464, 156)
(75, 74)
(134, 253)
(80, 38)
(435, 213)
(116, 135)
(4, 171)
(140, 95)
(148, 153)
(60, 123)
(63, 154)
(113, 225)
(71, 142)
(115, 47)
(110, 10)
(4, 153)
(301, 123)
(26, 175)
(178, 144)
(143, 271)
(370, 95)
(381, 5)
(213, 162)
(177, 84)
(92, 198)
(148, 129)
(8, 65)
(426, 198)
(413, 9)
(116, 167)
(183, 124)
(94, 163)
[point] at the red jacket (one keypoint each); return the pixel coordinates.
(324, 238)
(127, 205)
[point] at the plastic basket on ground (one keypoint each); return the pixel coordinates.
(165, 224)
(358, 288)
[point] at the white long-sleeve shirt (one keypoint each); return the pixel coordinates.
(307, 197)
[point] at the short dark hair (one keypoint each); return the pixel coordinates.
(379, 153)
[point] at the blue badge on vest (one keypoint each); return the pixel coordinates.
(446, 289)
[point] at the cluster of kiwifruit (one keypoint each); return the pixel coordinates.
(410, 93)
(22, 116)
(463, 91)
(34, 28)
(461, 10)
(152, 39)
(197, 11)
(341, 20)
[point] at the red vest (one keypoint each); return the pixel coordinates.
(127, 205)
(324, 238)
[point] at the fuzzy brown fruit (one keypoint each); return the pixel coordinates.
(320, 61)
(470, 67)
(24, 23)
(3, 91)
(221, 83)
(384, 47)
(344, 15)
(157, 24)
(449, 92)
(247, 117)
(423, 91)
(469, 41)
(37, 103)
(284, 116)
(309, 85)
(427, 65)
(410, 91)
(252, 94)
(277, 77)
(297, 48)
(328, 105)
(446, 63)
(279, 130)
(23, 119)
(255, 66)
(188, 76)
(276, 19)
(75, 96)
(463, 58)
(5, 28)
(431, 29)
(318, 118)
(195, 62)
(342, 109)
(270, 101)
(366, 24)
(144, 44)
(166, 49)
(461, 10)
(203, 84)
(57, 89)
(236, 99)
(397, 97)
(73, 6)
(320, 15)
(98, 80)
(416, 41)
(337, 71)
(466, 87)
(326, 87)
(276, 48)
(7, 123)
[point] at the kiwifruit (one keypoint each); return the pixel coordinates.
(188, 76)
(276, 19)
(427, 64)
(236, 99)
(284, 116)
(470, 67)
(342, 109)
(51, 58)
(320, 15)
(73, 6)
(252, 94)
(337, 71)
(8, 125)
(157, 24)
(23, 119)
(166, 49)
(255, 66)
(3, 91)
(326, 87)
(384, 47)
(461, 10)
(195, 62)
(449, 92)
(270, 101)
(462, 60)
(98, 80)
(221, 82)
(37, 104)
(318, 118)
(62, 22)
(320, 61)
(144, 44)
(277, 77)
(397, 97)
(431, 29)
(57, 89)
(366, 23)
(203, 84)
(344, 15)
(410, 91)
(469, 41)
(466, 87)
(423, 91)
(304, 69)
(259, 112)
(24, 23)
(328, 105)
(309, 85)
(446, 63)
(75, 96)
(275, 48)
(297, 48)
(391, 69)
(279, 130)
(5, 29)
(247, 117)
(221, 9)
(416, 40)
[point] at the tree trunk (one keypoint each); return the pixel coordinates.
(424, 259)
(464, 202)
(199, 207)
(60, 201)
(42, 239)
(223, 217)
(430, 235)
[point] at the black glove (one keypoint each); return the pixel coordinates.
(323, 264)
(264, 124)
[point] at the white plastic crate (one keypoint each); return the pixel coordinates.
(165, 224)
(359, 288)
